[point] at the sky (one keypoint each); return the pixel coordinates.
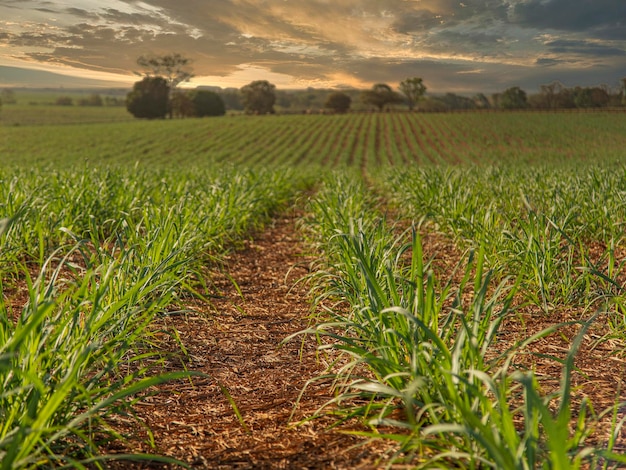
(455, 46)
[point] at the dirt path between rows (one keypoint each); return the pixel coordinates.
(236, 341)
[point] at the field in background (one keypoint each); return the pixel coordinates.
(364, 141)
(38, 107)
(533, 204)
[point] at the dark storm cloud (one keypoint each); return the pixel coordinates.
(420, 17)
(571, 15)
(548, 62)
(582, 47)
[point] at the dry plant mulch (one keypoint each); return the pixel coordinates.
(237, 341)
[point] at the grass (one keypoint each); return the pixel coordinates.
(102, 246)
(100, 253)
(557, 227)
(420, 354)
(442, 139)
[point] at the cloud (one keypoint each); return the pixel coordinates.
(451, 43)
(80, 13)
(548, 62)
(571, 15)
(583, 47)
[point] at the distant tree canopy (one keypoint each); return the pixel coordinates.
(513, 98)
(339, 102)
(380, 96)
(556, 96)
(413, 90)
(149, 99)
(64, 101)
(259, 97)
(174, 68)
(206, 103)
(180, 104)
(481, 101)
(232, 99)
(92, 100)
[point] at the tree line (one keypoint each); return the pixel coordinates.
(157, 95)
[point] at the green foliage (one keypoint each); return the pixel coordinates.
(543, 224)
(590, 97)
(413, 90)
(362, 140)
(64, 101)
(93, 99)
(110, 250)
(149, 98)
(259, 97)
(174, 68)
(102, 247)
(513, 98)
(338, 102)
(420, 356)
(380, 96)
(232, 99)
(206, 103)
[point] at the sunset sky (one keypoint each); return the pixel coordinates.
(458, 46)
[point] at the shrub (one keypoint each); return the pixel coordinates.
(149, 98)
(206, 103)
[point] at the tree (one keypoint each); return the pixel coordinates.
(481, 101)
(513, 98)
(454, 101)
(64, 101)
(283, 99)
(174, 68)
(92, 100)
(551, 94)
(149, 98)
(380, 95)
(414, 90)
(180, 104)
(590, 97)
(206, 103)
(339, 102)
(259, 97)
(232, 99)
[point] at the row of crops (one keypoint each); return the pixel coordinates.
(421, 357)
(93, 249)
(88, 259)
(365, 141)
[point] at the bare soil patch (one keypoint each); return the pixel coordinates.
(237, 341)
